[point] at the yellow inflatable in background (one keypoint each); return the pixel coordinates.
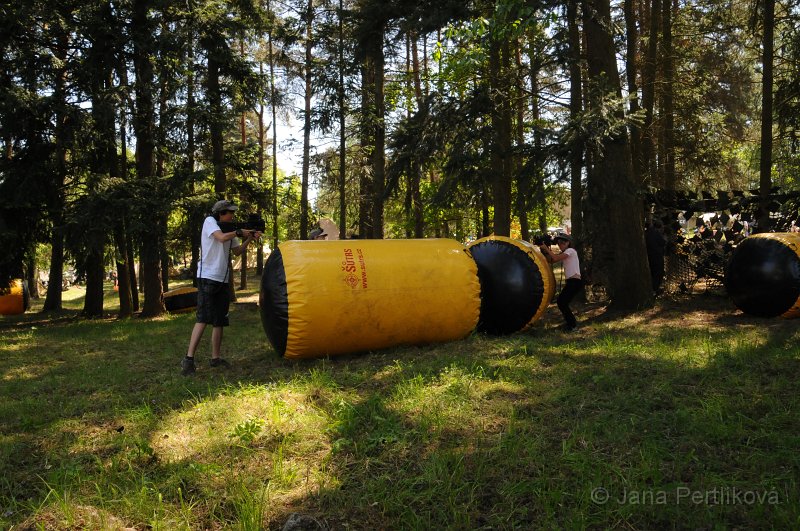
(15, 299)
(180, 300)
(323, 298)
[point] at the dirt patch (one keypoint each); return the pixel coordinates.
(710, 310)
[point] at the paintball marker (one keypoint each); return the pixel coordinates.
(254, 223)
(542, 239)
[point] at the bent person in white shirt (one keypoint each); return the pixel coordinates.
(572, 274)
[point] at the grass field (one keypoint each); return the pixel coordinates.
(683, 416)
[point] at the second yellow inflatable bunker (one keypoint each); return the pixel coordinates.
(323, 298)
(517, 284)
(15, 299)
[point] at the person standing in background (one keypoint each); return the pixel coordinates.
(213, 273)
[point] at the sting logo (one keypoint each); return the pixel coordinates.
(349, 268)
(351, 265)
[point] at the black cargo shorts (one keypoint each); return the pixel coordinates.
(213, 302)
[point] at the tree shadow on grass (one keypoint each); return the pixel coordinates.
(503, 432)
(709, 423)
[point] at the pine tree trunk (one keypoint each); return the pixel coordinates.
(538, 176)
(342, 130)
(216, 127)
(127, 281)
(575, 108)
(765, 164)
(668, 113)
(53, 299)
(32, 276)
(144, 126)
(365, 175)
(523, 178)
(123, 278)
(306, 122)
(379, 151)
(501, 140)
(273, 106)
(619, 244)
(95, 274)
(131, 263)
(261, 146)
(648, 164)
(416, 173)
(632, 70)
(164, 254)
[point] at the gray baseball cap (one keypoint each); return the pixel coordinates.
(223, 204)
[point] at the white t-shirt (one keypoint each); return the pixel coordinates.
(213, 254)
(572, 267)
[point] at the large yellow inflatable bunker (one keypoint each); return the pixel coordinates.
(15, 299)
(322, 298)
(517, 284)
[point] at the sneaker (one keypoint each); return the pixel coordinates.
(219, 362)
(187, 366)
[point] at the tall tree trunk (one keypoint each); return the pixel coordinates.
(95, 275)
(365, 176)
(163, 254)
(131, 263)
(501, 136)
(160, 162)
(619, 245)
(306, 122)
(523, 178)
(127, 282)
(632, 71)
(217, 125)
(575, 108)
(217, 131)
(32, 276)
(190, 106)
(53, 299)
(538, 175)
(104, 161)
(342, 131)
(243, 133)
(123, 278)
(144, 127)
(486, 226)
(407, 206)
(648, 164)
(273, 106)
(191, 111)
(416, 172)
(379, 151)
(261, 146)
(668, 113)
(765, 164)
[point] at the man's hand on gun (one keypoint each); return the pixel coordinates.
(249, 234)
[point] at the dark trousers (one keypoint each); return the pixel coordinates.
(571, 288)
